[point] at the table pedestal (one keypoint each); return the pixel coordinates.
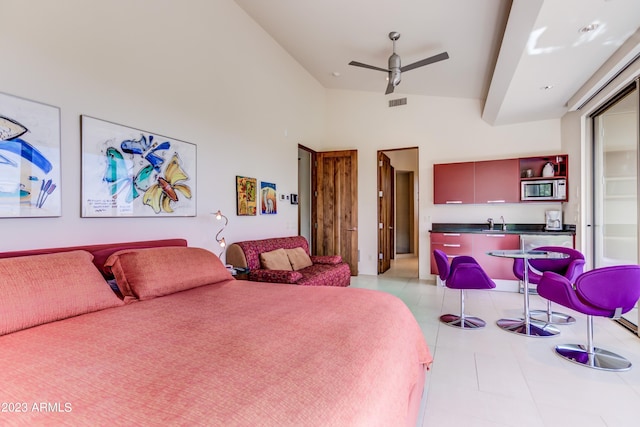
(526, 326)
(532, 328)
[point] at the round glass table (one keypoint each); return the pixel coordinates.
(527, 326)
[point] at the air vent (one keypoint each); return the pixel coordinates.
(396, 102)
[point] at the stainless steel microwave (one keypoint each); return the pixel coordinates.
(543, 189)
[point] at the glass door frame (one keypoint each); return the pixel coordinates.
(596, 162)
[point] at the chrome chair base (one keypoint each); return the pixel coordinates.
(599, 359)
(533, 328)
(553, 318)
(457, 321)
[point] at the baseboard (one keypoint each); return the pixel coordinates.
(507, 285)
(628, 325)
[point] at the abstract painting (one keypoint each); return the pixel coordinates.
(127, 172)
(268, 198)
(29, 158)
(246, 190)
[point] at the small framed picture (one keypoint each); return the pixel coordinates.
(294, 199)
(246, 190)
(268, 198)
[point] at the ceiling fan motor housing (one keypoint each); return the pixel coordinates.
(394, 69)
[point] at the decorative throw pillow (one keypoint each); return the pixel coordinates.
(153, 272)
(275, 260)
(298, 258)
(39, 289)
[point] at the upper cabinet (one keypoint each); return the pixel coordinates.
(499, 181)
(496, 181)
(453, 183)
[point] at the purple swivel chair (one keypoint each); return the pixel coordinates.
(463, 273)
(570, 268)
(606, 292)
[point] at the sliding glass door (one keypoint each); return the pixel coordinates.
(615, 183)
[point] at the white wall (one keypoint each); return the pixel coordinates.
(203, 72)
(196, 70)
(445, 130)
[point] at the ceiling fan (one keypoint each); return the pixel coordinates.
(395, 69)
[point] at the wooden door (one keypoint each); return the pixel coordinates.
(336, 206)
(385, 213)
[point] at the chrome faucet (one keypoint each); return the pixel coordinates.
(504, 226)
(490, 221)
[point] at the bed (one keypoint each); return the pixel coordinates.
(176, 340)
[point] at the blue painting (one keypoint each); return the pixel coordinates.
(133, 173)
(268, 198)
(29, 158)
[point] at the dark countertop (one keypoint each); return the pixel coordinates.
(567, 229)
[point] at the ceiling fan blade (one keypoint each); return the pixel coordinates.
(440, 57)
(360, 64)
(390, 88)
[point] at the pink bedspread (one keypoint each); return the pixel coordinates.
(233, 353)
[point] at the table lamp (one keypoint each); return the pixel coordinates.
(220, 240)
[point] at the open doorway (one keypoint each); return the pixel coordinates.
(305, 159)
(398, 178)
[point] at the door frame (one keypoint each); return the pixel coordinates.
(415, 237)
(386, 212)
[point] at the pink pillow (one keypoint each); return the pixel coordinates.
(38, 289)
(153, 272)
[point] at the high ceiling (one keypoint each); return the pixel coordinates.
(526, 59)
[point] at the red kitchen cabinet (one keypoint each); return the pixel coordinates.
(452, 244)
(453, 183)
(497, 181)
(496, 268)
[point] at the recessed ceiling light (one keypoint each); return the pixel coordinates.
(588, 28)
(335, 74)
(547, 87)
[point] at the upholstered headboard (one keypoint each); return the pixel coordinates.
(100, 252)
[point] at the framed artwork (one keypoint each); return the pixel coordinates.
(29, 158)
(268, 198)
(128, 172)
(246, 190)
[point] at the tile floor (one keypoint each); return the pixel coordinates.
(490, 377)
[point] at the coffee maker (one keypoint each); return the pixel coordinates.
(553, 220)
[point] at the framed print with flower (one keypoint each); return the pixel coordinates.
(29, 158)
(246, 190)
(127, 172)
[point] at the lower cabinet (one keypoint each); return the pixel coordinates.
(452, 244)
(477, 246)
(496, 268)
